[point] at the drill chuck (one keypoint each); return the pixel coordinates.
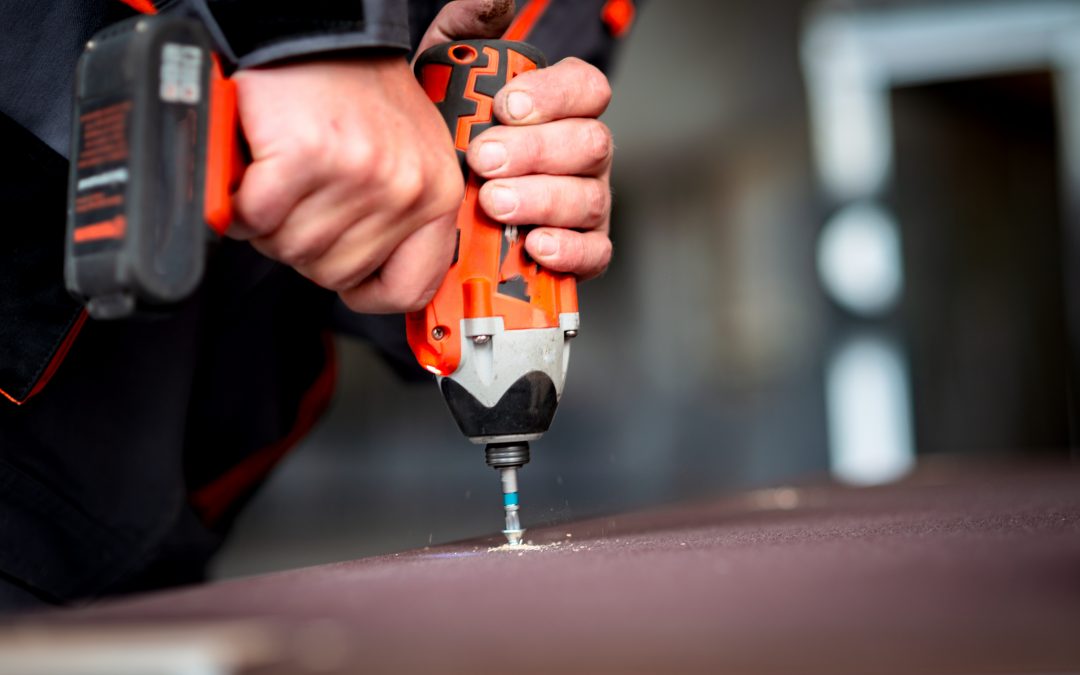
(507, 455)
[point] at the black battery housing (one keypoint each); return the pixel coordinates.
(136, 232)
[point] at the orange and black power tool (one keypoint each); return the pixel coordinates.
(497, 334)
(155, 157)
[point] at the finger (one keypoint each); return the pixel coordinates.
(265, 197)
(355, 255)
(556, 201)
(314, 224)
(583, 254)
(570, 88)
(565, 147)
(467, 20)
(410, 277)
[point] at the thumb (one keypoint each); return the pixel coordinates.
(468, 20)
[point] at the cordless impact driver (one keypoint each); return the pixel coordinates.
(156, 154)
(497, 333)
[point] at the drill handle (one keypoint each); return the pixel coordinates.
(492, 281)
(462, 78)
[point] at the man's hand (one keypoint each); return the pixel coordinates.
(354, 181)
(550, 165)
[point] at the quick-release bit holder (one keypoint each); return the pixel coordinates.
(497, 334)
(507, 455)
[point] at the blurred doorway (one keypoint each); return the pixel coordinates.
(947, 145)
(977, 190)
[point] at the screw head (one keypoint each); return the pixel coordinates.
(438, 332)
(481, 339)
(570, 334)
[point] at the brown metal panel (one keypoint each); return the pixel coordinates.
(952, 571)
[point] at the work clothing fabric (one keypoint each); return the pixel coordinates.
(257, 32)
(123, 471)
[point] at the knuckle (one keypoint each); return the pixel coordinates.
(602, 88)
(308, 143)
(258, 216)
(354, 301)
(342, 278)
(525, 147)
(357, 161)
(599, 142)
(408, 184)
(603, 255)
(576, 255)
(568, 99)
(542, 201)
(486, 11)
(324, 278)
(297, 248)
(449, 194)
(421, 300)
(599, 82)
(413, 297)
(597, 201)
(258, 205)
(574, 62)
(534, 147)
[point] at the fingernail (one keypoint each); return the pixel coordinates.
(519, 104)
(503, 201)
(491, 156)
(546, 245)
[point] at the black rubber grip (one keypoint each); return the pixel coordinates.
(462, 78)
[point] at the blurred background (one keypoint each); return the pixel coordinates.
(840, 246)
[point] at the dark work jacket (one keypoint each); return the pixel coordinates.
(126, 448)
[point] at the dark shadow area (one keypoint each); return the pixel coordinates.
(978, 198)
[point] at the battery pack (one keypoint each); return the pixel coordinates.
(136, 231)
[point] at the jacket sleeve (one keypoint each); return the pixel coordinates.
(257, 32)
(591, 30)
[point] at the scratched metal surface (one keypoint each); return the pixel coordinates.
(953, 571)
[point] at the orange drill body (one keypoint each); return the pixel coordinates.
(486, 261)
(497, 333)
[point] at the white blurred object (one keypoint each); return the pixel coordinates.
(869, 412)
(859, 259)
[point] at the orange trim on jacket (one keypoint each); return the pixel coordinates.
(144, 6)
(618, 16)
(526, 20)
(54, 362)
